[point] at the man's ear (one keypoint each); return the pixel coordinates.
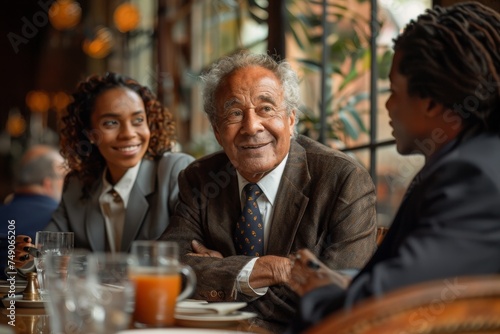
(292, 122)
(217, 134)
(434, 108)
(47, 185)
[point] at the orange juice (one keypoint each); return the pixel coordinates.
(155, 298)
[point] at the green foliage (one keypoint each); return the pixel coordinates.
(347, 36)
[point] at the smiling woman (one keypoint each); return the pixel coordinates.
(121, 132)
(122, 186)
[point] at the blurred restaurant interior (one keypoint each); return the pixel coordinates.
(49, 46)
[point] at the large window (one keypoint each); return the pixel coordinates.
(343, 90)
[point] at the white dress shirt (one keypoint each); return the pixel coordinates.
(113, 201)
(269, 185)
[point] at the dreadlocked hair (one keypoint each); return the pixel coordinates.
(452, 55)
(83, 158)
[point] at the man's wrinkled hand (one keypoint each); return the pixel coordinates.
(270, 270)
(201, 250)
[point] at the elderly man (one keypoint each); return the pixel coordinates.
(269, 193)
(444, 104)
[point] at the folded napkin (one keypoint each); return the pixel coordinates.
(201, 307)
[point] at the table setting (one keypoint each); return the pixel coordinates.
(101, 293)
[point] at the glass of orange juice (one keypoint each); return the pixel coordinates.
(156, 271)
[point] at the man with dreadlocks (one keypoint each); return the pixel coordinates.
(444, 104)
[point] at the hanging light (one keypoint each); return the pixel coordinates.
(126, 17)
(100, 46)
(65, 14)
(38, 101)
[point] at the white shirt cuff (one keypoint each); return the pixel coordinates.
(243, 283)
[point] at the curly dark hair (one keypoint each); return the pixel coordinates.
(83, 158)
(452, 55)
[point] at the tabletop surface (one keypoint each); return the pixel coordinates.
(36, 320)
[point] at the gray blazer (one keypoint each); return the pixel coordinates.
(151, 203)
(325, 202)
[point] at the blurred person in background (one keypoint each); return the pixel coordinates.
(122, 184)
(38, 187)
(445, 105)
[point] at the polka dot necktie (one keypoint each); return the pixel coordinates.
(249, 230)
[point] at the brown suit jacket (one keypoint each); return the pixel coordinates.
(325, 202)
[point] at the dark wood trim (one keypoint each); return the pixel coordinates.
(495, 4)
(276, 24)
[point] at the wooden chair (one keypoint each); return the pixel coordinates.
(464, 305)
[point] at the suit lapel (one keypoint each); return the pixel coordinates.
(138, 205)
(290, 202)
(223, 213)
(94, 221)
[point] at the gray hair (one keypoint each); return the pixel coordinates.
(34, 171)
(226, 65)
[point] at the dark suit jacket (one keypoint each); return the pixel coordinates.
(448, 226)
(27, 214)
(150, 205)
(325, 202)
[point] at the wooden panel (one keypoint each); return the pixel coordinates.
(495, 4)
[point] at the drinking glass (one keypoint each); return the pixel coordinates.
(60, 243)
(89, 294)
(66, 282)
(111, 292)
(156, 272)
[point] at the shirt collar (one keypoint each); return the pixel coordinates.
(124, 186)
(268, 184)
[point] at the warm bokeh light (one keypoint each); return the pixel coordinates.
(126, 17)
(38, 101)
(65, 14)
(16, 125)
(60, 101)
(100, 46)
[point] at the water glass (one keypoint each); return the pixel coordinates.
(111, 292)
(156, 272)
(89, 294)
(59, 243)
(66, 281)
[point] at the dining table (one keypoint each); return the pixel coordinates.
(30, 320)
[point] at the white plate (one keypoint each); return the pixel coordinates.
(190, 308)
(190, 301)
(176, 331)
(20, 302)
(212, 320)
